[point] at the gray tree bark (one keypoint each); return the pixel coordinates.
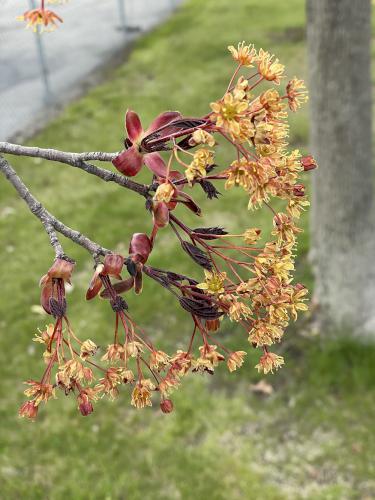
(343, 236)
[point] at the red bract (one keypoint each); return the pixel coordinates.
(140, 247)
(160, 214)
(84, 404)
(112, 267)
(129, 162)
(62, 270)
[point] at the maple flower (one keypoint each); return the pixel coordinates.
(203, 158)
(297, 93)
(285, 229)
(159, 360)
(113, 377)
(244, 54)
(251, 235)
(208, 360)
(272, 103)
(269, 362)
(88, 348)
(202, 137)
(230, 114)
(269, 68)
(29, 410)
(214, 282)
(39, 391)
(40, 18)
(129, 162)
(235, 360)
(114, 352)
(265, 333)
(239, 174)
(133, 349)
(297, 300)
(73, 370)
(45, 335)
(164, 192)
(238, 310)
(141, 396)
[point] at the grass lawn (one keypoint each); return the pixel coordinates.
(310, 439)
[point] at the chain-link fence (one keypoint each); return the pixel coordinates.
(40, 72)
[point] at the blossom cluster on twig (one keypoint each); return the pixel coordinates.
(246, 277)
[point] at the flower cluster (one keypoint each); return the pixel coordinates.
(247, 277)
(42, 19)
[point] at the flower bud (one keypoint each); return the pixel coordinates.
(113, 264)
(166, 406)
(84, 404)
(29, 410)
(299, 190)
(161, 214)
(213, 324)
(140, 245)
(308, 163)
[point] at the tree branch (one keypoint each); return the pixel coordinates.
(49, 221)
(77, 160)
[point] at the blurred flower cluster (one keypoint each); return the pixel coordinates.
(246, 278)
(41, 19)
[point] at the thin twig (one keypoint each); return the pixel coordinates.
(49, 221)
(77, 160)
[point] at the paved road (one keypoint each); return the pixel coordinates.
(91, 34)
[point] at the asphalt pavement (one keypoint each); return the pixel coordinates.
(93, 32)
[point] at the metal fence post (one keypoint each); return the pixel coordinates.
(43, 61)
(124, 25)
(121, 12)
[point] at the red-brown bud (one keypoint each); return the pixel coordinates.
(166, 406)
(29, 410)
(213, 325)
(308, 163)
(113, 264)
(161, 214)
(84, 404)
(140, 246)
(299, 190)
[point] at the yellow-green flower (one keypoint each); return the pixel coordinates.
(214, 282)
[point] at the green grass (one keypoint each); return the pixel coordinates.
(310, 439)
